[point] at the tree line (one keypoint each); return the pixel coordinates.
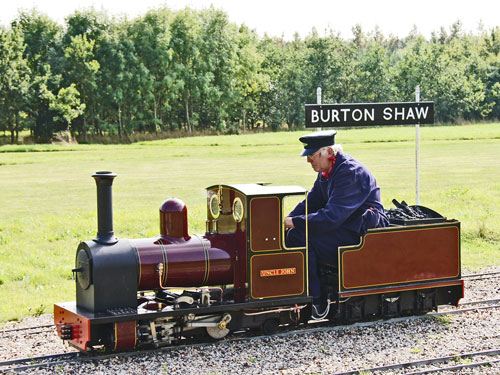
(192, 70)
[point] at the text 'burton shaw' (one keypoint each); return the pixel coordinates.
(336, 115)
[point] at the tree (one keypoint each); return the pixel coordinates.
(82, 69)
(373, 74)
(269, 103)
(331, 67)
(124, 80)
(66, 104)
(249, 78)
(42, 38)
(215, 70)
(150, 36)
(185, 56)
(87, 22)
(80, 43)
(15, 80)
(294, 82)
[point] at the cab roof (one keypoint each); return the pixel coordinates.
(262, 189)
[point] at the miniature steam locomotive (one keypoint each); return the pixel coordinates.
(239, 275)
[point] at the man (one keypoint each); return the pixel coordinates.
(343, 203)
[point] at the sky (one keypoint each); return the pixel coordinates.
(286, 17)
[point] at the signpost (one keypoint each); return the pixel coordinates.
(371, 114)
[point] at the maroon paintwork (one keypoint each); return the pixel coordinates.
(265, 222)
(125, 335)
(173, 219)
(277, 275)
(187, 263)
(412, 254)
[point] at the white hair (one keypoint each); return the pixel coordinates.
(336, 148)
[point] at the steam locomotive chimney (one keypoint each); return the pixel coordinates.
(105, 234)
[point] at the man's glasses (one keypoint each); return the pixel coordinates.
(315, 155)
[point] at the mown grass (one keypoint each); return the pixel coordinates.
(48, 199)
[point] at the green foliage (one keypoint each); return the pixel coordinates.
(82, 71)
(463, 360)
(15, 77)
(195, 71)
(42, 38)
(66, 104)
(445, 320)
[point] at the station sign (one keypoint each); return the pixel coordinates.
(369, 114)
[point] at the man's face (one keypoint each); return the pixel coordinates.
(319, 160)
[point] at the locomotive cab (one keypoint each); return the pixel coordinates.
(254, 213)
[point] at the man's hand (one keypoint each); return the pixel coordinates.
(289, 222)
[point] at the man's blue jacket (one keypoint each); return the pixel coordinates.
(343, 206)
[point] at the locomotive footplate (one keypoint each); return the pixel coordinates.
(68, 317)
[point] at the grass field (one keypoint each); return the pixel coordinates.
(48, 199)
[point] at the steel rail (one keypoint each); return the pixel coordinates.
(27, 331)
(24, 366)
(456, 367)
(486, 301)
(479, 275)
(24, 328)
(27, 334)
(430, 361)
(459, 311)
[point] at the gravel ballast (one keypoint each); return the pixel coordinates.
(324, 352)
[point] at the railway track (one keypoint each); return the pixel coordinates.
(28, 364)
(25, 364)
(481, 276)
(33, 330)
(482, 302)
(3, 331)
(454, 359)
(32, 363)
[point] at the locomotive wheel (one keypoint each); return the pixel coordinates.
(270, 326)
(217, 333)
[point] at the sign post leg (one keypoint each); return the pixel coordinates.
(417, 149)
(318, 100)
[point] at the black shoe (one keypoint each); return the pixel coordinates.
(320, 309)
